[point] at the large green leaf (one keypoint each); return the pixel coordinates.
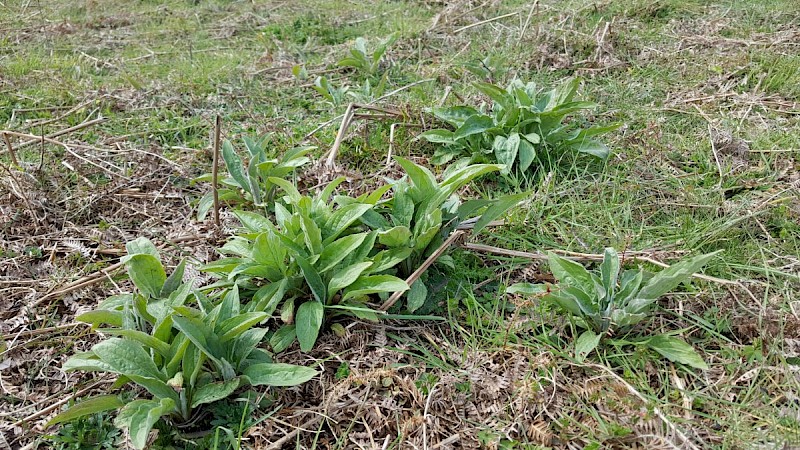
(375, 284)
(253, 221)
(312, 234)
(454, 181)
(283, 338)
(147, 274)
(474, 125)
(585, 344)
(211, 392)
(308, 322)
(98, 316)
(498, 207)
(506, 150)
(526, 289)
(527, 153)
(609, 271)
(676, 350)
(592, 147)
(139, 416)
(278, 374)
(200, 335)
(570, 272)
(342, 218)
(288, 188)
(245, 344)
(398, 236)
(402, 206)
(145, 339)
(236, 325)
(313, 278)
(158, 388)
(669, 278)
(345, 277)
(268, 297)
(140, 246)
(89, 406)
(438, 136)
(386, 259)
(234, 165)
(336, 251)
(456, 115)
(424, 181)
(565, 301)
(174, 280)
(417, 295)
(268, 251)
(86, 361)
(127, 358)
(496, 93)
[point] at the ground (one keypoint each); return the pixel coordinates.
(707, 159)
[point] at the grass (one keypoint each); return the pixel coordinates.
(676, 73)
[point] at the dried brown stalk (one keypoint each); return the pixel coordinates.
(80, 126)
(11, 150)
(421, 269)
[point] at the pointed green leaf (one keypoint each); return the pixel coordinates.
(139, 416)
(395, 237)
(161, 347)
(234, 165)
(127, 358)
(147, 274)
(474, 125)
(283, 338)
(236, 325)
(140, 246)
(437, 136)
(669, 278)
(506, 150)
(87, 407)
(174, 280)
(527, 153)
(585, 344)
(336, 251)
(313, 279)
(211, 392)
(456, 115)
(568, 271)
(253, 221)
(308, 322)
(417, 295)
(676, 350)
(278, 374)
(98, 316)
(345, 277)
(609, 271)
(498, 207)
(526, 289)
(375, 284)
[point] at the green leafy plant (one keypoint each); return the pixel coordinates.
(423, 212)
(317, 260)
(617, 299)
(250, 184)
(335, 95)
(525, 127)
(365, 61)
(91, 432)
(184, 357)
